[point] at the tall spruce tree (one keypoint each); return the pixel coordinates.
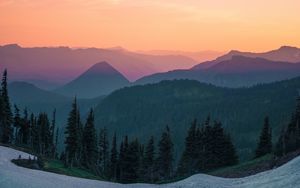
(265, 140)
(165, 156)
(148, 161)
(44, 133)
(72, 133)
(289, 139)
(53, 124)
(17, 125)
(89, 143)
(103, 157)
(114, 159)
(7, 116)
(130, 162)
(25, 128)
(188, 161)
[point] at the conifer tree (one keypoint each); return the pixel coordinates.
(114, 159)
(7, 117)
(53, 124)
(103, 159)
(34, 134)
(89, 142)
(45, 142)
(17, 125)
(71, 132)
(148, 161)
(131, 161)
(289, 139)
(265, 140)
(25, 128)
(2, 114)
(165, 156)
(79, 152)
(229, 157)
(188, 161)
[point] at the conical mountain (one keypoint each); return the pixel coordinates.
(100, 79)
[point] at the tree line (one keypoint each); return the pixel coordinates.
(33, 132)
(206, 148)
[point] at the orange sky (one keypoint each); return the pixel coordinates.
(190, 25)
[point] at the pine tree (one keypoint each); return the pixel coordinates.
(34, 134)
(25, 128)
(2, 114)
(56, 142)
(17, 125)
(148, 161)
(165, 156)
(71, 132)
(53, 124)
(188, 161)
(44, 133)
(114, 159)
(229, 156)
(79, 153)
(123, 160)
(130, 162)
(265, 140)
(289, 139)
(89, 143)
(103, 159)
(7, 117)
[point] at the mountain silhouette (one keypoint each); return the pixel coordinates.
(100, 79)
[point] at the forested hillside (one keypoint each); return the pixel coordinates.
(145, 110)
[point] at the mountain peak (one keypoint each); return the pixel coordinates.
(12, 46)
(288, 48)
(102, 67)
(100, 79)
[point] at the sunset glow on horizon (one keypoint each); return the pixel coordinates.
(192, 25)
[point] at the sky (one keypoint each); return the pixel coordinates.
(187, 25)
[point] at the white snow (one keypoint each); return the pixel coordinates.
(12, 176)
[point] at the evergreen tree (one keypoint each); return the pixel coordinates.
(188, 161)
(265, 140)
(71, 132)
(34, 134)
(103, 159)
(123, 160)
(89, 143)
(229, 156)
(44, 132)
(2, 114)
(53, 124)
(289, 139)
(130, 162)
(148, 161)
(79, 153)
(25, 128)
(165, 156)
(56, 142)
(114, 159)
(7, 117)
(17, 125)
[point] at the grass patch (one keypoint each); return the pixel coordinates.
(58, 167)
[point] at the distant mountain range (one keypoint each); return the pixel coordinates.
(142, 111)
(49, 67)
(199, 56)
(283, 54)
(236, 69)
(100, 79)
